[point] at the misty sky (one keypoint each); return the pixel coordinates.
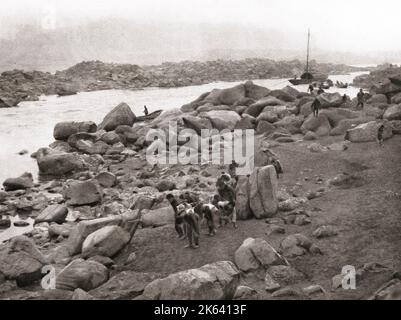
(340, 25)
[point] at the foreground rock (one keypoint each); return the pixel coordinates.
(215, 281)
(53, 213)
(393, 113)
(256, 253)
(368, 132)
(120, 115)
(85, 275)
(125, 285)
(63, 130)
(57, 163)
(263, 192)
(85, 228)
(20, 260)
(105, 242)
(25, 181)
(80, 193)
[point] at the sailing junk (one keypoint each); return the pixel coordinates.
(307, 77)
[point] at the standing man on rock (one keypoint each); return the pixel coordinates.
(360, 96)
(145, 111)
(315, 107)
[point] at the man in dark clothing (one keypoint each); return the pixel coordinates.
(145, 111)
(380, 135)
(360, 96)
(191, 220)
(178, 217)
(315, 107)
(277, 166)
(310, 88)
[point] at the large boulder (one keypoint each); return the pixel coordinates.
(396, 99)
(58, 163)
(396, 124)
(105, 242)
(368, 132)
(254, 91)
(53, 213)
(81, 136)
(110, 137)
(120, 115)
(247, 122)
(25, 181)
(330, 100)
(223, 119)
(20, 260)
(215, 281)
(89, 147)
(263, 192)
(268, 115)
(226, 96)
(347, 124)
(63, 130)
(125, 285)
(265, 127)
(85, 275)
(378, 98)
(393, 113)
(158, 217)
(335, 115)
(196, 123)
(255, 109)
(291, 123)
(192, 106)
(106, 179)
(282, 95)
(320, 125)
(256, 253)
(85, 228)
(242, 205)
(79, 193)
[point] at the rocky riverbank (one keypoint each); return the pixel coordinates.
(18, 85)
(96, 185)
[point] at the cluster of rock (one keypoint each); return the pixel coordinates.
(280, 114)
(98, 185)
(18, 85)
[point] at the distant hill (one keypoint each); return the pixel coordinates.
(123, 41)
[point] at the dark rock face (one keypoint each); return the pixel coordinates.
(63, 130)
(82, 193)
(120, 115)
(25, 181)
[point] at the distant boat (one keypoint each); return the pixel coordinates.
(150, 116)
(64, 91)
(308, 77)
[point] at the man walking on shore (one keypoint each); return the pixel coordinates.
(315, 107)
(360, 96)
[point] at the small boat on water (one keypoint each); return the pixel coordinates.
(150, 116)
(341, 85)
(65, 91)
(308, 76)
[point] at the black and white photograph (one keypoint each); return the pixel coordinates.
(207, 150)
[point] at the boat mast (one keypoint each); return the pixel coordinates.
(307, 53)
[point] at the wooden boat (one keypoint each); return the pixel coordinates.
(61, 92)
(308, 77)
(341, 85)
(150, 116)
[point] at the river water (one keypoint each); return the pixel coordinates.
(30, 126)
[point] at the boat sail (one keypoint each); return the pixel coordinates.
(307, 77)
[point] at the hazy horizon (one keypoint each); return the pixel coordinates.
(154, 31)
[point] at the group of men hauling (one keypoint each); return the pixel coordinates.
(190, 211)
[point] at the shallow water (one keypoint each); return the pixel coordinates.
(14, 231)
(30, 126)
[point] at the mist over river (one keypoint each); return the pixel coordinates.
(30, 126)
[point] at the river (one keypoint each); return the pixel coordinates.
(30, 126)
